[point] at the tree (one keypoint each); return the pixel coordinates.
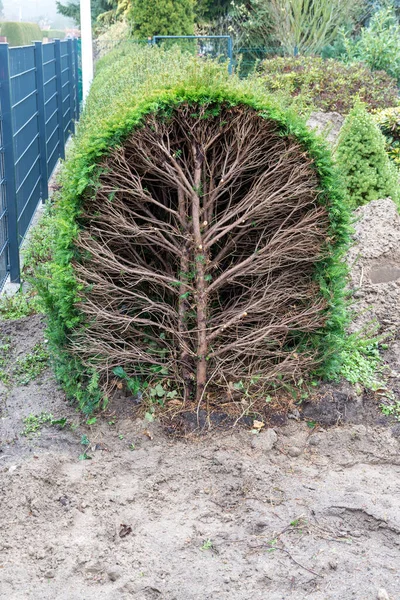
(379, 43)
(161, 17)
(72, 9)
(306, 26)
(361, 156)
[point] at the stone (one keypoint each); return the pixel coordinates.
(113, 575)
(265, 440)
(382, 594)
(294, 451)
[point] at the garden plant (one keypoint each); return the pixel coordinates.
(199, 232)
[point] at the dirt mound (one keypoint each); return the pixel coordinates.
(374, 262)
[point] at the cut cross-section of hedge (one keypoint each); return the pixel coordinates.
(200, 237)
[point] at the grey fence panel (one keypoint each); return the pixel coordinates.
(38, 107)
(3, 213)
(66, 74)
(25, 121)
(53, 140)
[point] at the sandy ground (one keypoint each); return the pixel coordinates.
(300, 512)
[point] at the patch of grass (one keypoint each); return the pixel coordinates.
(33, 423)
(391, 407)
(29, 367)
(5, 348)
(361, 361)
(19, 305)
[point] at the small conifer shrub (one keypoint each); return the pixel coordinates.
(361, 156)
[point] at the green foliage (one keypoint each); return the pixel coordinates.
(5, 347)
(361, 156)
(361, 361)
(379, 43)
(54, 34)
(20, 34)
(19, 305)
(151, 80)
(31, 365)
(309, 25)
(388, 121)
(328, 85)
(161, 17)
(33, 423)
(72, 9)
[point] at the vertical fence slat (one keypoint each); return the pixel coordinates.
(57, 51)
(9, 164)
(76, 65)
(71, 85)
(42, 121)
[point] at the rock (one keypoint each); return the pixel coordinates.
(294, 451)
(327, 124)
(265, 440)
(49, 574)
(113, 575)
(333, 565)
(382, 594)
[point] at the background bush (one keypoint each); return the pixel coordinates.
(388, 121)
(328, 85)
(379, 44)
(361, 156)
(20, 34)
(54, 34)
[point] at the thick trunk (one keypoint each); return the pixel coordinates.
(201, 284)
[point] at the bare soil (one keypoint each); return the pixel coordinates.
(302, 511)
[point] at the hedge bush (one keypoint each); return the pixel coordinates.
(54, 34)
(20, 34)
(388, 121)
(361, 156)
(328, 85)
(152, 92)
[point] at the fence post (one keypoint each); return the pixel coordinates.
(9, 164)
(41, 121)
(60, 119)
(71, 85)
(76, 75)
(230, 55)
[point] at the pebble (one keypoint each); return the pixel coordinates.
(382, 594)
(294, 451)
(113, 575)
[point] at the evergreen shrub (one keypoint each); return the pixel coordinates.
(388, 121)
(362, 158)
(20, 34)
(198, 237)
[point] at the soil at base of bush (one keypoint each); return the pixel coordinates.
(303, 511)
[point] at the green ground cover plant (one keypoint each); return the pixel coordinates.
(361, 156)
(328, 85)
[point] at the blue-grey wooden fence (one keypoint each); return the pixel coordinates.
(39, 105)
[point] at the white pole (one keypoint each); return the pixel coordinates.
(87, 47)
